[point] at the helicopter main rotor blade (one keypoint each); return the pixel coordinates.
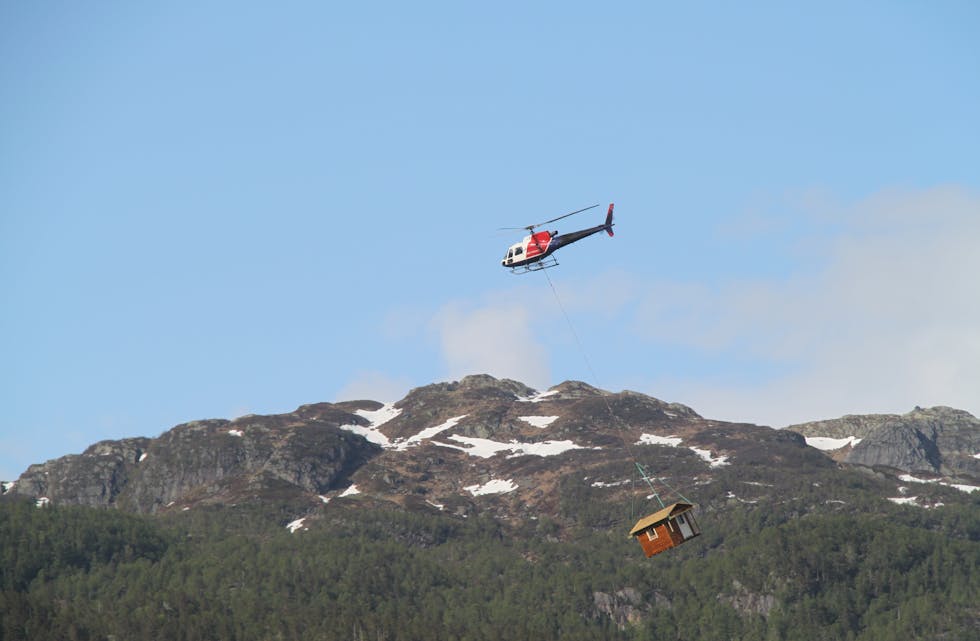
(566, 215)
(531, 227)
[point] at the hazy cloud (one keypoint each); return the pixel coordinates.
(493, 338)
(239, 412)
(876, 310)
(374, 386)
(889, 318)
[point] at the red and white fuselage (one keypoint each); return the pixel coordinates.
(540, 245)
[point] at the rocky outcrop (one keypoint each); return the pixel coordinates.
(94, 477)
(940, 440)
(484, 400)
(624, 607)
(206, 460)
(856, 425)
(747, 602)
(937, 440)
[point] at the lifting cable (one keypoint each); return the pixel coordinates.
(622, 432)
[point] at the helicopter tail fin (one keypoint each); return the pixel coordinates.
(609, 220)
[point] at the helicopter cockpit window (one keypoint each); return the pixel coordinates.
(510, 254)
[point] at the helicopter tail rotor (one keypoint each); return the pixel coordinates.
(609, 220)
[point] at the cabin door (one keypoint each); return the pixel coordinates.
(685, 527)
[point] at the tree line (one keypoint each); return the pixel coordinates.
(762, 572)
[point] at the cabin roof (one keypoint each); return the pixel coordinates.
(659, 517)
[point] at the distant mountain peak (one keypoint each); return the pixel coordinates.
(935, 440)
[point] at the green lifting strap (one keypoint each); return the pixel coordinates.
(646, 477)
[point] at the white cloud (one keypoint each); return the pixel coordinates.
(373, 386)
(890, 318)
(494, 338)
(239, 412)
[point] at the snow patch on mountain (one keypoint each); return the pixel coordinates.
(380, 416)
(674, 441)
(351, 491)
(371, 434)
(614, 484)
(539, 421)
(496, 486)
(485, 448)
(653, 439)
(537, 398)
(709, 458)
(295, 525)
(547, 448)
(732, 495)
(827, 444)
(425, 434)
(376, 418)
(235, 432)
(969, 489)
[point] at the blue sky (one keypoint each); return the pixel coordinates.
(218, 208)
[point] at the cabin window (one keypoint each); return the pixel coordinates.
(518, 251)
(652, 534)
(680, 519)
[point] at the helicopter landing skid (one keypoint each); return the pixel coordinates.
(545, 263)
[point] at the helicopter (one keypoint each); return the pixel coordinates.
(534, 253)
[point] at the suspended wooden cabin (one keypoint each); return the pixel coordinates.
(667, 528)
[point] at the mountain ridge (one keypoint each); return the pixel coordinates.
(481, 445)
(465, 504)
(938, 441)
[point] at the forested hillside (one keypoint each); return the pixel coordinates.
(480, 510)
(757, 572)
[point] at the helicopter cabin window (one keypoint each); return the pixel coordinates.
(518, 251)
(652, 534)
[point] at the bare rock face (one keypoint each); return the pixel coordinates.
(939, 440)
(747, 602)
(206, 460)
(856, 425)
(936, 440)
(624, 607)
(93, 478)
